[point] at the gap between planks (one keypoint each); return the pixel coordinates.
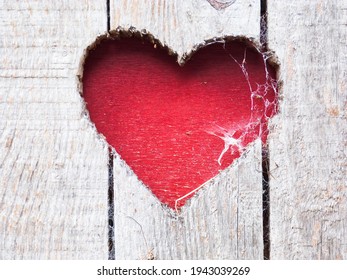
(110, 199)
(111, 223)
(108, 16)
(265, 150)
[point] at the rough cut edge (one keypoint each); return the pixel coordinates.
(179, 212)
(141, 241)
(209, 184)
(222, 222)
(183, 24)
(121, 33)
(132, 32)
(145, 228)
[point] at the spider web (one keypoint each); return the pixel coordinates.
(262, 95)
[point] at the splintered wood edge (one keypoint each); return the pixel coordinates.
(131, 32)
(142, 225)
(177, 213)
(122, 33)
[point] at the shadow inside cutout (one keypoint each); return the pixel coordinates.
(178, 127)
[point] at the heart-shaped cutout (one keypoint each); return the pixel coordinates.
(178, 127)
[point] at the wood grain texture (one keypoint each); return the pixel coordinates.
(224, 221)
(182, 25)
(308, 143)
(53, 166)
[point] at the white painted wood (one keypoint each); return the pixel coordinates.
(308, 143)
(183, 25)
(224, 221)
(53, 166)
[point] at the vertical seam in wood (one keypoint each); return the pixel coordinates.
(265, 151)
(108, 15)
(263, 25)
(237, 216)
(111, 230)
(110, 199)
(266, 201)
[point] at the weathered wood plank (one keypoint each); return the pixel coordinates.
(182, 25)
(53, 167)
(224, 221)
(308, 143)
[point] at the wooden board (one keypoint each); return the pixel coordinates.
(53, 166)
(224, 221)
(308, 145)
(183, 25)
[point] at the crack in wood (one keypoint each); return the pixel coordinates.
(111, 235)
(266, 201)
(263, 24)
(265, 150)
(108, 16)
(110, 200)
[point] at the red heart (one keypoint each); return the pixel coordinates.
(177, 127)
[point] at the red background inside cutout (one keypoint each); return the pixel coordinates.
(159, 116)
